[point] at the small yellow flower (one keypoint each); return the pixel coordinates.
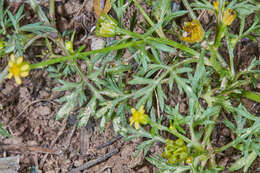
(229, 16)
(138, 117)
(18, 68)
(193, 32)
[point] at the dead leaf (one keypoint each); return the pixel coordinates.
(98, 10)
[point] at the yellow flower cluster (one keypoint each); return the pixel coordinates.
(176, 152)
(18, 68)
(193, 32)
(229, 15)
(138, 117)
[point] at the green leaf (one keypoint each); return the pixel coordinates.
(139, 80)
(144, 146)
(37, 28)
(68, 106)
(107, 108)
(4, 132)
(102, 124)
(161, 46)
(243, 162)
(174, 15)
(66, 86)
(161, 97)
(252, 95)
(37, 9)
(85, 114)
(241, 110)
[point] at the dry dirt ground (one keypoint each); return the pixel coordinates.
(58, 146)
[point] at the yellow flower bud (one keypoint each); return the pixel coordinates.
(106, 26)
(69, 46)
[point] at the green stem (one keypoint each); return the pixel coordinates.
(209, 129)
(220, 34)
(158, 31)
(215, 64)
(129, 33)
(176, 45)
(84, 54)
(52, 12)
(235, 142)
(231, 57)
(162, 40)
(187, 6)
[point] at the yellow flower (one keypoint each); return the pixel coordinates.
(138, 117)
(229, 16)
(193, 32)
(18, 68)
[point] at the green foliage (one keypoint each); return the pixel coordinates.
(3, 131)
(19, 35)
(106, 84)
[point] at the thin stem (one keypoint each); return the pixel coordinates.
(164, 41)
(84, 55)
(176, 45)
(187, 6)
(239, 139)
(52, 12)
(209, 130)
(231, 57)
(158, 31)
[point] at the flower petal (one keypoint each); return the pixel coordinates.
(133, 110)
(137, 125)
(24, 74)
(10, 75)
(12, 57)
(18, 80)
(141, 109)
(19, 60)
(25, 67)
(10, 63)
